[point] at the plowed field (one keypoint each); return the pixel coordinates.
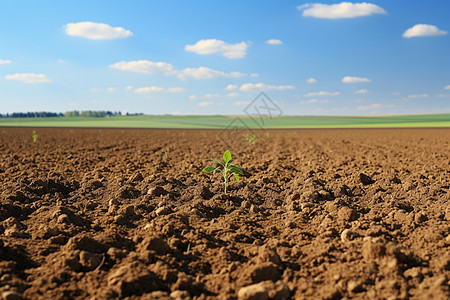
(318, 214)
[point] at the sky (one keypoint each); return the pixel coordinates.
(215, 57)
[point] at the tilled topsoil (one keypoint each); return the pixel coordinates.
(318, 214)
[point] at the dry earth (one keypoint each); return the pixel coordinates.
(319, 214)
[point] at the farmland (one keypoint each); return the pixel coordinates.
(318, 214)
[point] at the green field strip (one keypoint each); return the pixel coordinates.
(220, 122)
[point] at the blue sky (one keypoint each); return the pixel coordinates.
(213, 57)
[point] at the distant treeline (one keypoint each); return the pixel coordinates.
(74, 113)
(92, 113)
(38, 114)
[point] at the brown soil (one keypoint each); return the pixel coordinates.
(319, 214)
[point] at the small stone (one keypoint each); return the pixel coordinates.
(365, 179)
(354, 286)
(11, 295)
(163, 210)
(89, 260)
(253, 292)
(180, 295)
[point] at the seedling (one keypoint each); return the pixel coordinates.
(250, 139)
(35, 137)
(227, 169)
(188, 248)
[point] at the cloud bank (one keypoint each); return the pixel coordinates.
(166, 69)
(213, 46)
(96, 31)
(423, 30)
(29, 77)
(343, 10)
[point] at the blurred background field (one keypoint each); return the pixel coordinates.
(221, 122)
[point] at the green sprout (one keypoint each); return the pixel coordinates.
(250, 139)
(35, 137)
(227, 169)
(188, 248)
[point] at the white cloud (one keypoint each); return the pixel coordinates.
(150, 67)
(350, 79)
(274, 42)
(29, 77)
(144, 66)
(254, 75)
(213, 46)
(149, 89)
(395, 93)
(233, 95)
(96, 31)
(313, 101)
(342, 10)
(361, 91)
(193, 97)
(241, 103)
(5, 61)
(111, 89)
(129, 88)
(311, 80)
(322, 93)
(205, 73)
(447, 87)
(413, 96)
(253, 87)
(423, 30)
(231, 87)
(157, 89)
(205, 103)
